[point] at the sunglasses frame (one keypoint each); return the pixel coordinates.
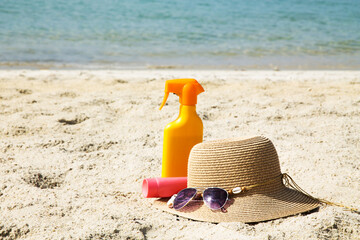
(202, 191)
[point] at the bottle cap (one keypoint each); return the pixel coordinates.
(186, 88)
(150, 188)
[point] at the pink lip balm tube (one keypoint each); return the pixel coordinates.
(163, 187)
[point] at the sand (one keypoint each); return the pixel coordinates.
(76, 144)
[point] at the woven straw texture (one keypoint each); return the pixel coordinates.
(241, 162)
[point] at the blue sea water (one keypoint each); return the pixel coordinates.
(198, 33)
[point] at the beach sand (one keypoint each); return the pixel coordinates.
(76, 144)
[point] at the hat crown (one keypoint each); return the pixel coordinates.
(232, 163)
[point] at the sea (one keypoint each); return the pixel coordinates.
(241, 34)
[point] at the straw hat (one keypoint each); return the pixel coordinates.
(241, 162)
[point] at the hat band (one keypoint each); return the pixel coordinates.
(289, 182)
(286, 180)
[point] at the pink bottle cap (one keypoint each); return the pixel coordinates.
(163, 187)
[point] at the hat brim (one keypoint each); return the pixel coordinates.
(248, 207)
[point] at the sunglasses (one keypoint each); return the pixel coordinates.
(215, 198)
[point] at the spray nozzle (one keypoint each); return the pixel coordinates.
(187, 89)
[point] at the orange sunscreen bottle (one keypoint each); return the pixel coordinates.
(183, 133)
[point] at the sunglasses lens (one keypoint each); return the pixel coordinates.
(184, 197)
(215, 198)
